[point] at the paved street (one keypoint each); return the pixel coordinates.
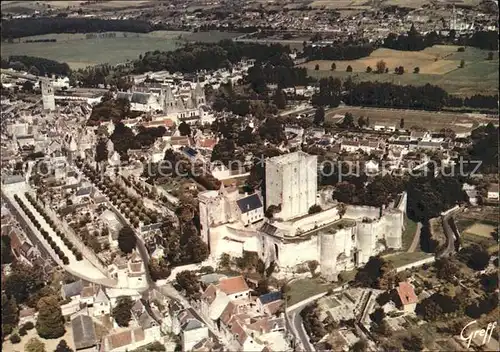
(35, 241)
(82, 268)
(301, 332)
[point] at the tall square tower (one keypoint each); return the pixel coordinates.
(292, 183)
(48, 99)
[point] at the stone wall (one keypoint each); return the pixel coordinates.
(421, 262)
(360, 212)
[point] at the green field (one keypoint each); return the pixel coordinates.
(408, 233)
(405, 258)
(439, 65)
(304, 288)
(78, 52)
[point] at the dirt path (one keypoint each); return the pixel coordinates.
(416, 238)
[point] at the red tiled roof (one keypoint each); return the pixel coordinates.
(228, 312)
(493, 187)
(120, 339)
(209, 294)
(27, 312)
(15, 242)
(233, 285)
(125, 338)
(165, 122)
(407, 293)
(89, 291)
(238, 331)
(136, 267)
(207, 143)
(139, 334)
(351, 143)
(273, 307)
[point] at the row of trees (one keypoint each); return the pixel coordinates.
(352, 190)
(338, 52)
(124, 138)
(132, 208)
(312, 322)
(477, 101)
(485, 148)
(37, 66)
(429, 196)
(24, 285)
(415, 41)
(109, 109)
(283, 74)
(203, 56)
(105, 74)
(44, 233)
(26, 27)
(411, 41)
(59, 233)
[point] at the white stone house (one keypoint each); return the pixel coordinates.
(251, 209)
(493, 193)
(192, 330)
(102, 304)
(129, 273)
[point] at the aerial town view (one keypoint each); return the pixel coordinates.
(250, 175)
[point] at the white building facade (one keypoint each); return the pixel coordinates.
(291, 183)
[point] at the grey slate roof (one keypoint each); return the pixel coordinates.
(73, 289)
(85, 191)
(123, 95)
(268, 229)
(140, 98)
(270, 297)
(146, 321)
(138, 307)
(191, 324)
(249, 203)
(83, 332)
(101, 297)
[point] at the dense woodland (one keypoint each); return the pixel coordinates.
(203, 56)
(37, 66)
(338, 52)
(414, 41)
(25, 27)
(410, 41)
(385, 94)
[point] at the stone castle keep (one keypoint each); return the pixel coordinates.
(294, 237)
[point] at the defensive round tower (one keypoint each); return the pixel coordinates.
(394, 226)
(365, 241)
(328, 256)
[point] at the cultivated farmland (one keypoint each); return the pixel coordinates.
(439, 65)
(480, 229)
(433, 121)
(78, 51)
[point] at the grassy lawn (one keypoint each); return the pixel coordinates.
(408, 233)
(469, 238)
(439, 65)
(304, 288)
(78, 52)
(401, 259)
(431, 120)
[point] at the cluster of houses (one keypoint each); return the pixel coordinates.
(233, 315)
(249, 323)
